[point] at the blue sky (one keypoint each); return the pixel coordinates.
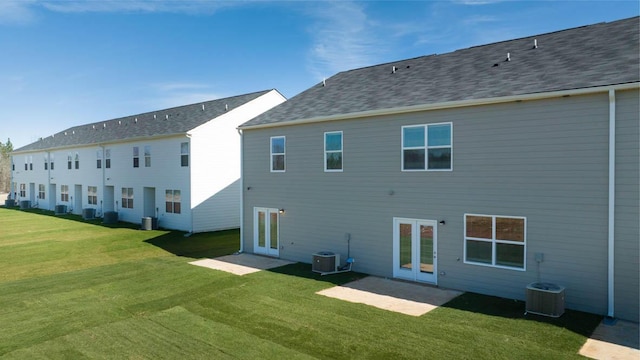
(67, 63)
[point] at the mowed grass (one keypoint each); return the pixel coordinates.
(71, 290)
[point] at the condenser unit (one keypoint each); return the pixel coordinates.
(545, 299)
(61, 209)
(325, 262)
(88, 213)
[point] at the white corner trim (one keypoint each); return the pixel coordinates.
(612, 199)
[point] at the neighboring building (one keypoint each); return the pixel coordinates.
(180, 165)
(482, 170)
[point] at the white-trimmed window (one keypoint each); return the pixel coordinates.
(92, 195)
(127, 198)
(64, 193)
(51, 156)
(26, 163)
(23, 190)
(41, 191)
(69, 161)
(99, 159)
(493, 240)
(427, 147)
(107, 158)
(333, 151)
(147, 156)
(46, 162)
(136, 157)
(30, 162)
(184, 154)
(172, 201)
(77, 161)
(278, 159)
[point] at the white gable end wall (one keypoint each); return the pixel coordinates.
(215, 165)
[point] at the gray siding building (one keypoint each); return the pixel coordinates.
(484, 169)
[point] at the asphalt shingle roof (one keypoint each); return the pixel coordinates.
(176, 120)
(589, 56)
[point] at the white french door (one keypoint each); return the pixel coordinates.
(414, 249)
(265, 231)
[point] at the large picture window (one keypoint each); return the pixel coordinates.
(427, 147)
(127, 198)
(172, 201)
(492, 240)
(278, 154)
(333, 151)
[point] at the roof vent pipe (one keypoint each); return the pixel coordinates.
(135, 120)
(226, 107)
(166, 117)
(154, 116)
(104, 125)
(393, 69)
(535, 43)
(324, 82)
(202, 107)
(508, 57)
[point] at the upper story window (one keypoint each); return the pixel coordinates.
(77, 161)
(13, 165)
(497, 241)
(30, 162)
(333, 151)
(26, 163)
(147, 156)
(127, 198)
(46, 162)
(64, 193)
(107, 158)
(427, 147)
(99, 159)
(51, 161)
(92, 195)
(136, 157)
(184, 154)
(278, 153)
(69, 161)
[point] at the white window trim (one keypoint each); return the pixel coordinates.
(494, 241)
(341, 151)
(271, 153)
(426, 147)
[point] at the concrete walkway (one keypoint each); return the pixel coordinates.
(402, 297)
(241, 264)
(619, 341)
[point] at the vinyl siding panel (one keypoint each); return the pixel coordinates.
(545, 160)
(627, 232)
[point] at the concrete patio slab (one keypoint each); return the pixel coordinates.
(241, 264)
(392, 295)
(619, 341)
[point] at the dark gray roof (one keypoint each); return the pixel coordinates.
(176, 120)
(589, 56)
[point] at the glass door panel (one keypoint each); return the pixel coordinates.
(414, 249)
(426, 249)
(262, 233)
(405, 246)
(273, 234)
(266, 231)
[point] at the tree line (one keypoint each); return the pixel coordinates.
(5, 165)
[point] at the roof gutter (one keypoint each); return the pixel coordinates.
(449, 104)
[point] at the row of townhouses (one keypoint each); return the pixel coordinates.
(484, 169)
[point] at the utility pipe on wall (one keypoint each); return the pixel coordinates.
(612, 197)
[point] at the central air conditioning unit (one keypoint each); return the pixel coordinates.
(88, 214)
(61, 209)
(325, 262)
(545, 299)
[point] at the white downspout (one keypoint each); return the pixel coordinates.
(48, 160)
(241, 193)
(612, 194)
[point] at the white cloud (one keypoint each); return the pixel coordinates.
(14, 12)
(343, 37)
(149, 6)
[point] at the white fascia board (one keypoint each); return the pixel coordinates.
(106, 143)
(451, 104)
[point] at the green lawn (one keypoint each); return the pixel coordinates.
(71, 289)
